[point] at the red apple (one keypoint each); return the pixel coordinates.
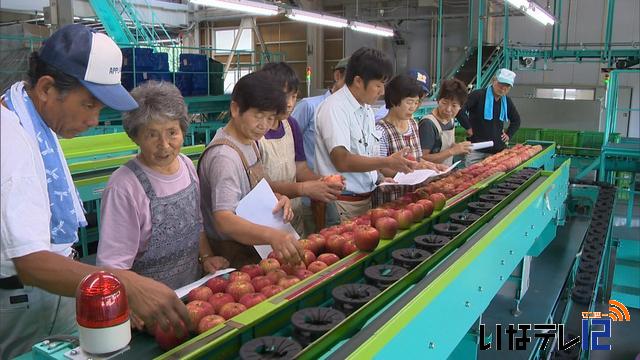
(404, 218)
(250, 300)
(231, 309)
(347, 225)
(259, 282)
(219, 299)
(271, 290)
(253, 270)
(320, 241)
(269, 264)
(335, 179)
(363, 220)
(288, 281)
(217, 284)
(309, 245)
(347, 235)
(333, 230)
(239, 288)
(428, 207)
(200, 293)
(417, 210)
(387, 227)
(198, 309)
(309, 257)
(349, 247)
(302, 274)
(366, 238)
(438, 200)
(376, 214)
(209, 322)
(327, 258)
(291, 269)
(334, 243)
(169, 339)
(275, 275)
(237, 276)
(316, 266)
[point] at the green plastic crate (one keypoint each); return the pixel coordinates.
(566, 140)
(591, 142)
(524, 134)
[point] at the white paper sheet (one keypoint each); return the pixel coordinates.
(481, 145)
(413, 178)
(183, 291)
(450, 167)
(257, 207)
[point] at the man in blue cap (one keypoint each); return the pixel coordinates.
(486, 113)
(73, 76)
(425, 83)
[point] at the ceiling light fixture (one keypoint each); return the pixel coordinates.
(371, 29)
(534, 10)
(252, 7)
(316, 18)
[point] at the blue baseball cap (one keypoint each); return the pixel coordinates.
(93, 59)
(422, 77)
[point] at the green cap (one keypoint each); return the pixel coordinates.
(342, 64)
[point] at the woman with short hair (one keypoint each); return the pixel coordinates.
(399, 132)
(151, 221)
(437, 130)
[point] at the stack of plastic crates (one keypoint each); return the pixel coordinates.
(566, 140)
(524, 134)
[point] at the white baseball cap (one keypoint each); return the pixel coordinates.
(93, 59)
(506, 76)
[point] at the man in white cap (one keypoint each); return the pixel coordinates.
(486, 113)
(70, 79)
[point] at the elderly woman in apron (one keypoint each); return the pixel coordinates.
(399, 132)
(437, 130)
(150, 216)
(231, 166)
(283, 156)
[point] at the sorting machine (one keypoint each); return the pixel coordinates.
(418, 295)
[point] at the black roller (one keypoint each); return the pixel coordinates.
(588, 255)
(430, 242)
(410, 257)
(500, 191)
(479, 207)
(517, 180)
(588, 266)
(594, 248)
(448, 229)
(269, 347)
(464, 218)
(491, 198)
(582, 294)
(350, 297)
(583, 278)
(508, 186)
(382, 276)
(572, 353)
(311, 323)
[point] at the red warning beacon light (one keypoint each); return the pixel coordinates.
(102, 313)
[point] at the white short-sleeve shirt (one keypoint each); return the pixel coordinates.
(24, 227)
(342, 121)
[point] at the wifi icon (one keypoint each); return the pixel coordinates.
(617, 311)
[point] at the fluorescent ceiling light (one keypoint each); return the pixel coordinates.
(371, 29)
(252, 7)
(315, 18)
(539, 14)
(534, 10)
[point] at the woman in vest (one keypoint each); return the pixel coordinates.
(150, 217)
(437, 130)
(398, 131)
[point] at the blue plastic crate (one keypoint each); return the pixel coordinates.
(160, 76)
(144, 59)
(160, 61)
(127, 79)
(199, 84)
(193, 63)
(183, 83)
